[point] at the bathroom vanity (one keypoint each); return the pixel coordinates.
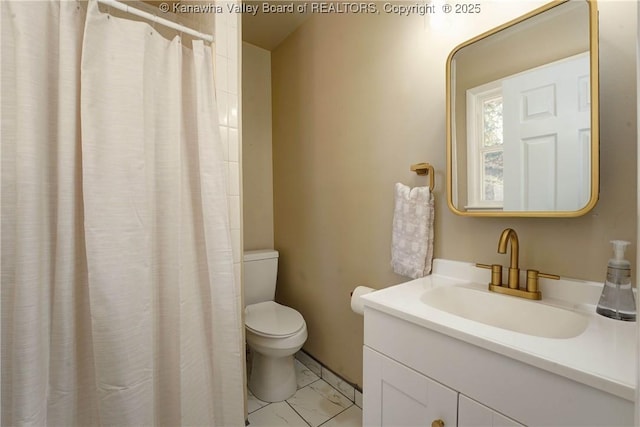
(444, 351)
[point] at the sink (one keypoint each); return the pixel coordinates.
(506, 312)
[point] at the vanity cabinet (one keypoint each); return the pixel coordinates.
(399, 396)
(475, 414)
(414, 375)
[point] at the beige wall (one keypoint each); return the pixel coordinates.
(256, 149)
(359, 98)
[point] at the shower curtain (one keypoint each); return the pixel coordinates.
(118, 302)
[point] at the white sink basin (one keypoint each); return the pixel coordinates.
(507, 312)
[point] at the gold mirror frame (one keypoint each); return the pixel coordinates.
(595, 112)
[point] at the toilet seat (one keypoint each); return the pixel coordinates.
(270, 319)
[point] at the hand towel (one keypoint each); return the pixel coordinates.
(412, 238)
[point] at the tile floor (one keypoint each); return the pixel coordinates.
(316, 403)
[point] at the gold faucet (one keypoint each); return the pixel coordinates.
(513, 281)
(510, 235)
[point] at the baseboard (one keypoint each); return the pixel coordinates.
(349, 390)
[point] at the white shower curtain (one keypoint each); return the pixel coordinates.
(118, 299)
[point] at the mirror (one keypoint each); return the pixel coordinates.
(522, 116)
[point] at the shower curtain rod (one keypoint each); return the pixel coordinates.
(155, 18)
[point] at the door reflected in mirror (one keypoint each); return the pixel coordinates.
(522, 136)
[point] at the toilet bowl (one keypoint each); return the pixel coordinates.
(274, 334)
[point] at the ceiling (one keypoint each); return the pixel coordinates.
(268, 30)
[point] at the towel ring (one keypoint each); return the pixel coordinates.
(424, 169)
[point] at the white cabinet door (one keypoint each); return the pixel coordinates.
(398, 396)
(474, 414)
(547, 137)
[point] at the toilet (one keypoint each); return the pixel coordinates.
(274, 332)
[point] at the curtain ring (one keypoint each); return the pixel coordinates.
(179, 29)
(153, 23)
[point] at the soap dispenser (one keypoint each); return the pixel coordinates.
(617, 300)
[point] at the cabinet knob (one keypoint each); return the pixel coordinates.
(437, 423)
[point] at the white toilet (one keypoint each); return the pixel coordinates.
(274, 332)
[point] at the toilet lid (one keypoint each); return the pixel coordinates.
(272, 319)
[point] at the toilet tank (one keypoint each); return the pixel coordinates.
(260, 273)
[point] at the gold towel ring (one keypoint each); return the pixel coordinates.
(424, 169)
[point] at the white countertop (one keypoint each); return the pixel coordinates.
(603, 356)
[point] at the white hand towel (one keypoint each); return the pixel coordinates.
(412, 238)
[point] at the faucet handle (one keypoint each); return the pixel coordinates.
(532, 279)
(496, 273)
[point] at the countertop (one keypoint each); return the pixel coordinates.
(603, 356)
